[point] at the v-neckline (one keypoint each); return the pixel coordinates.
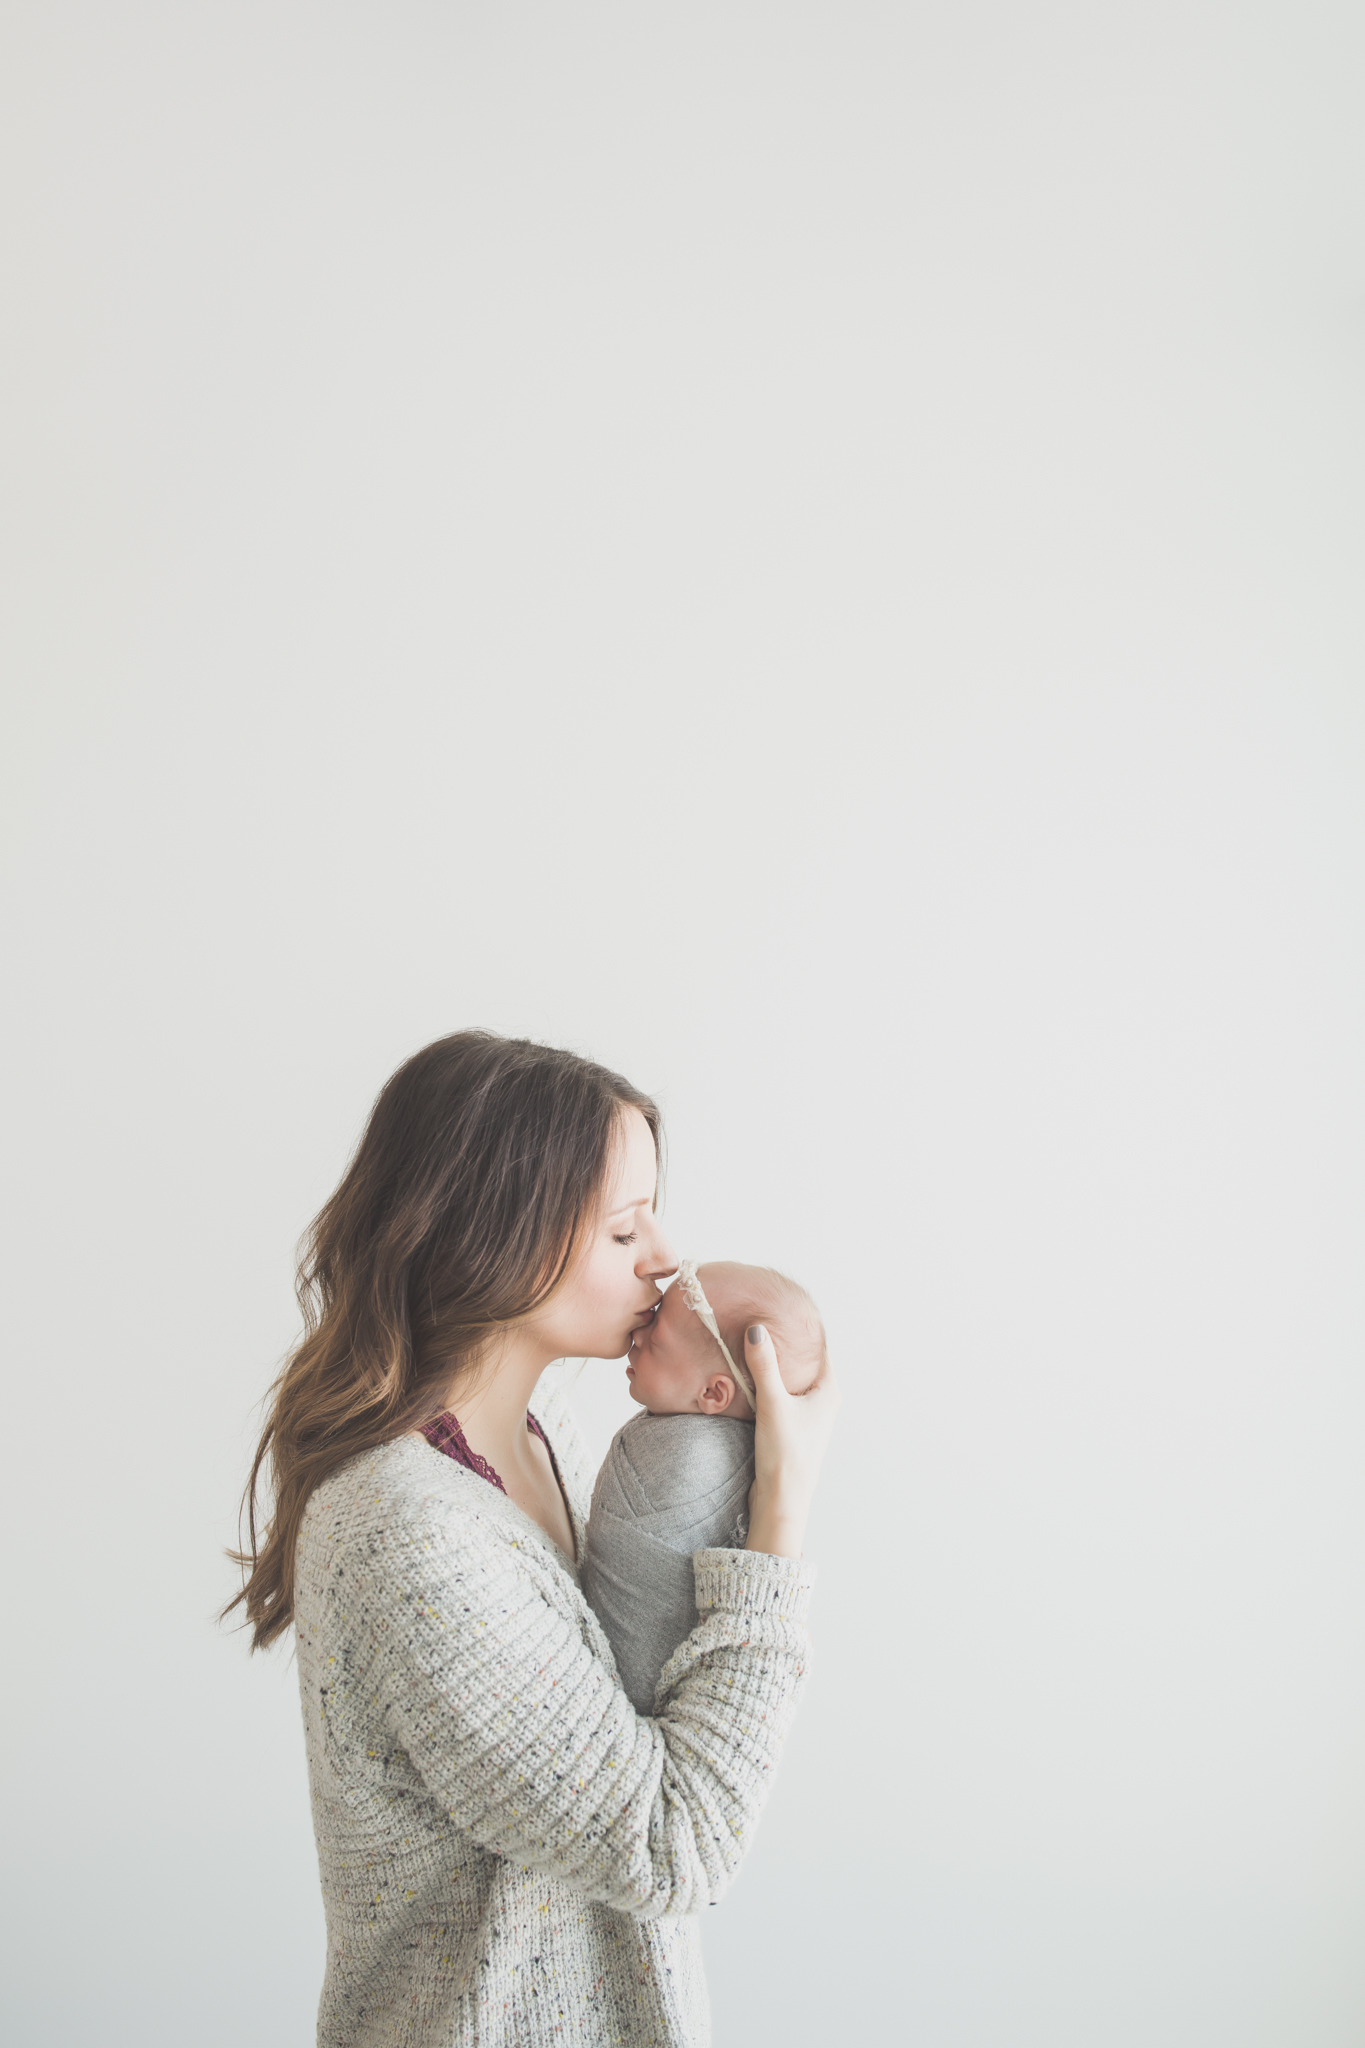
(445, 1435)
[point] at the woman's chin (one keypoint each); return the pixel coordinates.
(611, 1348)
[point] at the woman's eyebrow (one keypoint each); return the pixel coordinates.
(624, 1208)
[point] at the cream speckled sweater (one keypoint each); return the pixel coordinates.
(509, 1853)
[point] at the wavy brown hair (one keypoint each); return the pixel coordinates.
(478, 1173)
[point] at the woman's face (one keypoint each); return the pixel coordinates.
(611, 1289)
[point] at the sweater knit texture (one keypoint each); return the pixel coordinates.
(509, 1853)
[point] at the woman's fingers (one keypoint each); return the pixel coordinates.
(761, 1359)
(789, 1443)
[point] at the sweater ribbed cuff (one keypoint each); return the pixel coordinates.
(753, 1582)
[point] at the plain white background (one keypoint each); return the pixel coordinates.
(812, 553)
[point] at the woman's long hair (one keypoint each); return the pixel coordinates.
(469, 1193)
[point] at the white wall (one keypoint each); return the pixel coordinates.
(812, 552)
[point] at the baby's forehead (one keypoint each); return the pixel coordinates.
(723, 1282)
(718, 1283)
(674, 1306)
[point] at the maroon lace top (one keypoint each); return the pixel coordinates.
(445, 1434)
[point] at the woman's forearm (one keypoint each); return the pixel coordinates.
(530, 1744)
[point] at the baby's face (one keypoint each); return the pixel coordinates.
(676, 1366)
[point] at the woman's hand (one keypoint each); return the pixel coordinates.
(790, 1435)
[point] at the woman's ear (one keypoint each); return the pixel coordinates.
(717, 1395)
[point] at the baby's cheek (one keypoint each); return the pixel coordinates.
(648, 1387)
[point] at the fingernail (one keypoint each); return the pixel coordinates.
(756, 1333)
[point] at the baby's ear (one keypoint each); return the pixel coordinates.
(717, 1395)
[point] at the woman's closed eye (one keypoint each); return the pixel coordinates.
(630, 1239)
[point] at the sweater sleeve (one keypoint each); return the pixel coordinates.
(529, 1742)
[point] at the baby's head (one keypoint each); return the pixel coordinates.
(676, 1366)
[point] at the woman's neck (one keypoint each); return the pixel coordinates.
(491, 1406)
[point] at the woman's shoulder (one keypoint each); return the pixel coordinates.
(404, 1493)
(397, 1488)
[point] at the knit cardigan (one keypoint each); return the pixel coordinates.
(509, 1853)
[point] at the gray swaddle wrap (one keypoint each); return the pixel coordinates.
(669, 1485)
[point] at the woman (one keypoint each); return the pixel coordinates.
(509, 1853)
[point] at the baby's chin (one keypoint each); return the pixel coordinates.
(642, 1395)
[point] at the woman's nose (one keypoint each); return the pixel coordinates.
(657, 1258)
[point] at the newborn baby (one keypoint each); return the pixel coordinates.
(676, 1479)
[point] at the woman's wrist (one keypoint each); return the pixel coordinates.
(776, 1532)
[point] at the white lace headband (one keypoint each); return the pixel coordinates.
(690, 1287)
